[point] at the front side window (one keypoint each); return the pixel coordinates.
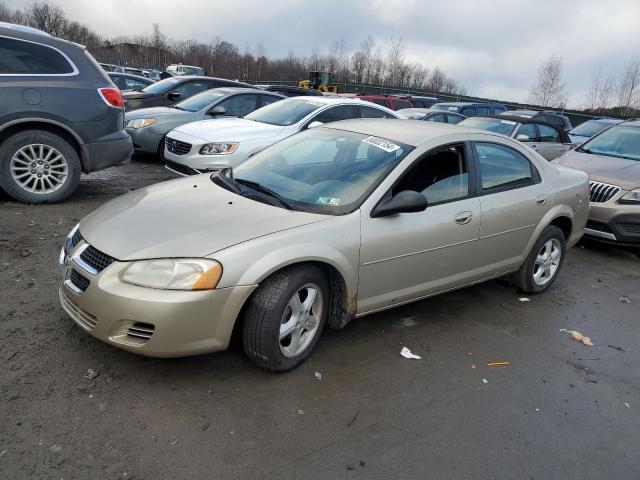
(370, 112)
(18, 57)
(323, 170)
(239, 105)
(617, 141)
(199, 101)
(438, 117)
(502, 168)
(548, 134)
(189, 89)
(442, 176)
(528, 129)
(133, 84)
(284, 113)
(454, 118)
(162, 86)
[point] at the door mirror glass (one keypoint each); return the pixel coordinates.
(523, 138)
(406, 201)
(315, 124)
(173, 95)
(217, 110)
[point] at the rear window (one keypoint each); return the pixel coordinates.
(18, 57)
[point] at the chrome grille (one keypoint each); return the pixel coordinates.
(82, 318)
(602, 192)
(96, 259)
(79, 281)
(140, 331)
(177, 147)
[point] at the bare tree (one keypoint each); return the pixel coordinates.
(549, 91)
(629, 87)
(261, 51)
(396, 63)
(47, 17)
(600, 93)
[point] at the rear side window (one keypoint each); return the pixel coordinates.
(402, 104)
(548, 134)
(468, 112)
(334, 114)
(18, 57)
(482, 111)
(370, 112)
(502, 168)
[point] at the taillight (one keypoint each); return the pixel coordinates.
(112, 97)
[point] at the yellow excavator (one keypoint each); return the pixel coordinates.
(319, 81)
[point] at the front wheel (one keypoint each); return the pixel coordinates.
(285, 317)
(544, 262)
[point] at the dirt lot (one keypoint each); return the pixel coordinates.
(559, 410)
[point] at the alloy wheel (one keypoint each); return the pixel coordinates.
(300, 320)
(39, 168)
(547, 262)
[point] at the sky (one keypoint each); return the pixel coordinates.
(493, 48)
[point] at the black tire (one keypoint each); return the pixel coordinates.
(15, 142)
(266, 309)
(161, 148)
(523, 279)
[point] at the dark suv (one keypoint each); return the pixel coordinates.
(60, 115)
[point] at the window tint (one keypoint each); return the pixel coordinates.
(333, 114)
(380, 101)
(438, 117)
(118, 81)
(267, 99)
(499, 110)
(402, 104)
(468, 112)
(18, 57)
(418, 103)
(133, 84)
(502, 168)
(239, 105)
(188, 89)
(528, 129)
(481, 111)
(370, 112)
(442, 176)
(548, 134)
(454, 118)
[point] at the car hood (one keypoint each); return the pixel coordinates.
(188, 217)
(230, 129)
(153, 112)
(613, 170)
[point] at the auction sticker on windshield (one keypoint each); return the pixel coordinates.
(328, 201)
(381, 143)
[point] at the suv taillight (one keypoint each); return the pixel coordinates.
(112, 97)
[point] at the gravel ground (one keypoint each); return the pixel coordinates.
(73, 407)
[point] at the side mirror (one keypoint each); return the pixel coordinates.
(174, 95)
(315, 124)
(218, 110)
(523, 138)
(406, 201)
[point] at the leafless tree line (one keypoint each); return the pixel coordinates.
(608, 94)
(368, 65)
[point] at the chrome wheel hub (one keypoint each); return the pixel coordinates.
(547, 262)
(39, 168)
(300, 320)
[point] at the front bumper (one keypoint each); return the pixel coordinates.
(152, 322)
(144, 140)
(614, 222)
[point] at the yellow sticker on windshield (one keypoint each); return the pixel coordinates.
(328, 201)
(381, 143)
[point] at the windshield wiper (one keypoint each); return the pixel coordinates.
(267, 191)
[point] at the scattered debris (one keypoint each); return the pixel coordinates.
(591, 358)
(620, 349)
(91, 374)
(484, 380)
(102, 406)
(350, 467)
(497, 364)
(576, 335)
(473, 366)
(353, 420)
(406, 353)
(624, 299)
(300, 412)
(172, 440)
(524, 299)
(55, 448)
(537, 409)
(627, 405)
(318, 376)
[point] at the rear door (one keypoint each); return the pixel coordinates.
(550, 145)
(513, 199)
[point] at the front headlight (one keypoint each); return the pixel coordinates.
(174, 273)
(221, 148)
(631, 197)
(140, 122)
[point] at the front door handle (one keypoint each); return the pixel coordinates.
(541, 199)
(463, 218)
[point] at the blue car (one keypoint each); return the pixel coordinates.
(588, 129)
(470, 109)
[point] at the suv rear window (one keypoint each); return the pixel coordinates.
(18, 57)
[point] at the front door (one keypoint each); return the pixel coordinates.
(410, 255)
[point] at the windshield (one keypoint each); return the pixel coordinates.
(505, 127)
(161, 86)
(590, 128)
(199, 101)
(411, 114)
(285, 112)
(617, 141)
(322, 170)
(191, 70)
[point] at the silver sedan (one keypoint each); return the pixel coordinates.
(336, 222)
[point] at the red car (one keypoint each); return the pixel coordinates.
(389, 101)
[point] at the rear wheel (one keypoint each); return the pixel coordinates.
(285, 317)
(544, 262)
(37, 166)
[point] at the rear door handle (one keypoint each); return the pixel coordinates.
(463, 218)
(541, 199)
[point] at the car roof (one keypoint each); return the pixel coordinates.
(410, 133)
(466, 104)
(245, 89)
(514, 118)
(605, 120)
(23, 29)
(33, 34)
